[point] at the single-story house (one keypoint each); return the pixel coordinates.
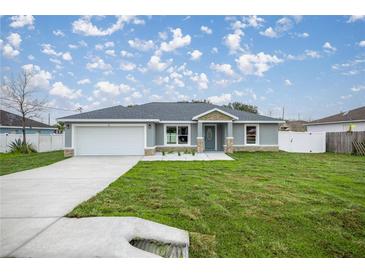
(168, 126)
(352, 120)
(12, 124)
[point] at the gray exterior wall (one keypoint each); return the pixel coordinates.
(269, 134)
(68, 136)
(151, 135)
(160, 134)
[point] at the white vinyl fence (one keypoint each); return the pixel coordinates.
(41, 142)
(306, 142)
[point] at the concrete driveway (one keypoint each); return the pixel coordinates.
(32, 201)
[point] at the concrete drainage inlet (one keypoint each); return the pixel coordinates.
(166, 250)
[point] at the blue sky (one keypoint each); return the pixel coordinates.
(312, 65)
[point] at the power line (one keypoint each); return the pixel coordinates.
(48, 107)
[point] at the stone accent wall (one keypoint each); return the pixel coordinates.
(175, 149)
(255, 148)
(199, 145)
(228, 148)
(215, 116)
(68, 152)
(149, 151)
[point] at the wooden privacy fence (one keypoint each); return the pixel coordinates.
(342, 142)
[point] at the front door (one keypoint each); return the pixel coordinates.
(209, 138)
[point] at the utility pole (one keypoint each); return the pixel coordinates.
(49, 118)
(283, 113)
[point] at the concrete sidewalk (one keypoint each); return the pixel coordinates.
(205, 156)
(33, 201)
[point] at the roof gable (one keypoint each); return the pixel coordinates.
(357, 114)
(215, 114)
(14, 120)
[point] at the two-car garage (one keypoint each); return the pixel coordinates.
(108, 139)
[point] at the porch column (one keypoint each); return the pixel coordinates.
(229, 138)
(199, 138)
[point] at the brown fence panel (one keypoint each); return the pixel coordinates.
(341, 142)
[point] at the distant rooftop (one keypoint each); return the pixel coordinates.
(351, 115)
(14, 120)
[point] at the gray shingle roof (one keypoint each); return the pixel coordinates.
(164, 111)
(351, 115)
(14, 120)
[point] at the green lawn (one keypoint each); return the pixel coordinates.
(14, 162)
(261, 205)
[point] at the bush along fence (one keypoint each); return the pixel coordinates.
(345, 142)
(41, 142)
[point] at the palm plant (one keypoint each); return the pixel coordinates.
(18, 146)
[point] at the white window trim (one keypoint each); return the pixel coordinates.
(257, 143)
(74, 126)
(215, 130)
(177, 141)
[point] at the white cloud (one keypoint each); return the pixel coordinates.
(312, 54)
(223, 68)
(232, 41)
(253, 21)
(220, 100)
(48, 50)
(206, 30)
(362, 43)
(127, 66)
(14, 39)
(354, 18)
(328, 47)
(22, 21)
(84, 26)
(131, 78)
(178, 41)
(98, 63)
(136, 95)
(9, 52)
(58, 33)
(67, 56)
(61, 90)
(110, 88)
(195, 55)
(161, 80)
(109, 44)
(31, 57)
(155, 63)
(126, 54)
(358, 88)
(287, 82)
(251, 64)
(214, 50)
(84, 81)
(163, 35)
(40, 79)
(303, 35)
(110, 52)
(141, 45)
(269, 32)
(201, 79)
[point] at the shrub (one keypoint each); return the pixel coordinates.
(193, 152)
(17, 146)
(163, 153)
(179, 153)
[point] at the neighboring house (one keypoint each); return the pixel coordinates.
(12, 123)
(295, 125)
(352, 120)
(145, 129)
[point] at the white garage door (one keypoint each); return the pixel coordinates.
(109, 140)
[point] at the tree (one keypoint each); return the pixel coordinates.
(60, 127)
(20, 96)
(242, 107)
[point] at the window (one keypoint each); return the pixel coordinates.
(177, 135)
(251, 135)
